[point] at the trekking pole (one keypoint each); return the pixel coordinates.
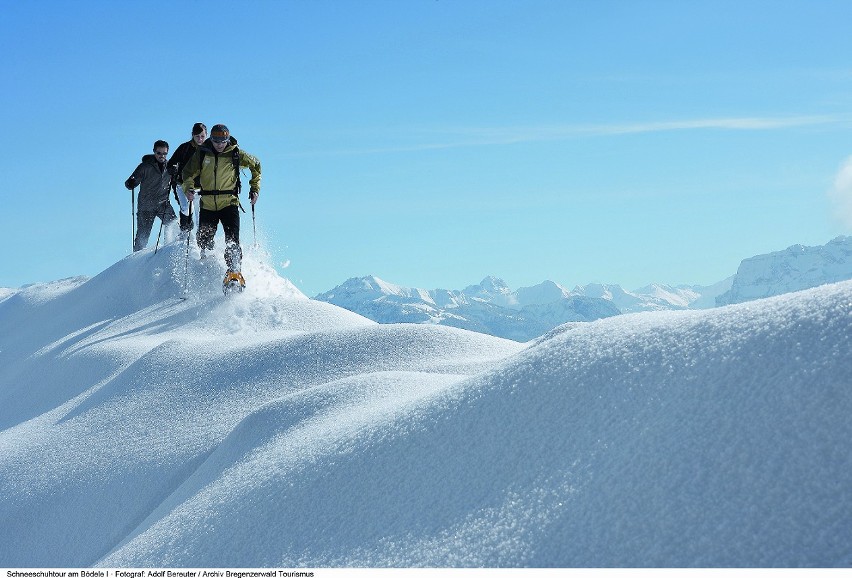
(133, 219)
(254, 225)
(186, 260)
(162, 216)
(157, 246)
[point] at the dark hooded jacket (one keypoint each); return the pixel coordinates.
(154, 182)
(181, 156)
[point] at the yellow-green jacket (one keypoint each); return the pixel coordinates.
(216, 176)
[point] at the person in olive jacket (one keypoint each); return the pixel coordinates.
(213, 174)
(153, 180)
(178, 161)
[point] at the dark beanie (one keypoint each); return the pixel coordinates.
(219, 133)
(198, 128)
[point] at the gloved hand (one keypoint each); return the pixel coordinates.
(131, 183)
(173, 170)
(253, 194)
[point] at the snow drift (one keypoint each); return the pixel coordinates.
(268, 429)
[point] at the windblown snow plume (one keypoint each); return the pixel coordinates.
(267, 429)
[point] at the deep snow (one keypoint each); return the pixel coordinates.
(268, 429)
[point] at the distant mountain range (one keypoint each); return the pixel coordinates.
(492, 307)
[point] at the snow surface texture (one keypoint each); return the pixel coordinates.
(267, 429)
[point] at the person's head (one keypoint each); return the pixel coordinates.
(199, 132)
(220, 136)
(161, 150)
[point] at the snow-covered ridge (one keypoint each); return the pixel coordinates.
(264, 430)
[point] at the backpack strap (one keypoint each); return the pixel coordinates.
(201, 153)
(235, 158)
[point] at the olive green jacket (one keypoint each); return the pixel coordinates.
(217, 178)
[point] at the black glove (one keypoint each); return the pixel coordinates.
(131, 183)
(173, 170)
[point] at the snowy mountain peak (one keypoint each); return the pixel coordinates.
(653, 297)
(544, 292)
(680, 297)
(494, 284)
(370, 283)
(357, 290)
(490, 289)
(793, 269)
(381, 286)
(377, 285)
(611, 292)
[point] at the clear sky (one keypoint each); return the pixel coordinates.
(434, 142)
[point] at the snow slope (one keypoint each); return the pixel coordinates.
(267, 429)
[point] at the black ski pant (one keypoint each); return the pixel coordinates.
(185, 223)
(208, 221)
(145, 222)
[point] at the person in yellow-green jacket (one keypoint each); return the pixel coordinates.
(213, 173)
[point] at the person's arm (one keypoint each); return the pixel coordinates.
(250, 161)
(188, 174)
(135, 178)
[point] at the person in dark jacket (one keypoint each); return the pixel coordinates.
(176, 164)
(153, 180)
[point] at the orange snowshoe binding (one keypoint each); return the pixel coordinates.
(233, 282)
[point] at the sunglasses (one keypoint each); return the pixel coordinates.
(161, 154)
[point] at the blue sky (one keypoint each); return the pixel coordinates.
(434, 142)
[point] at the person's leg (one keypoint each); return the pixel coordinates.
(169, 223)
(168, 214)
(144, 222)
(230, 217)
(185, 215)
(207, 223)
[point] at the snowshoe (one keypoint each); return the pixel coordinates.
(233, 283)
